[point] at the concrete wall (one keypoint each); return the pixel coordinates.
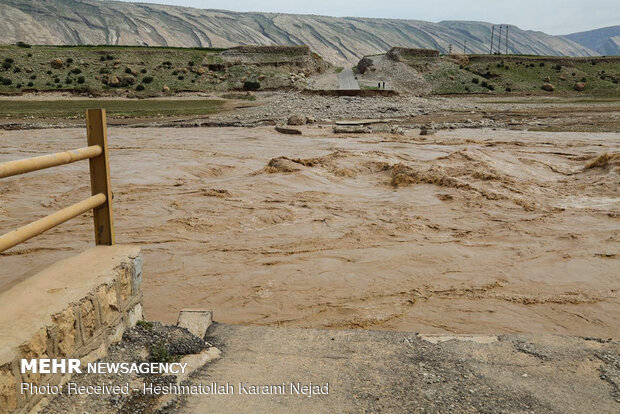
(75, 308)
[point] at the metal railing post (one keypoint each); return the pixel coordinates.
(100, 176)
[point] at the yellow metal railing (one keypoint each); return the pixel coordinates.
(100, 201)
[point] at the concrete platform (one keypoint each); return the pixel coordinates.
(397, 372)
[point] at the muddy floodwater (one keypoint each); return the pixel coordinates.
(465, 231)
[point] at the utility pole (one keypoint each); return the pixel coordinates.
(465, 47)
(492, 31)
(506, 39)
(499, 41)
(450, 49)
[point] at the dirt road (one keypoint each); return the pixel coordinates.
(347, 80)
(396, 372)
(467, 231)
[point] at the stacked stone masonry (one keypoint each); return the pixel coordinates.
(84, 328)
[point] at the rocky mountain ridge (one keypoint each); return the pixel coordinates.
(341, 41)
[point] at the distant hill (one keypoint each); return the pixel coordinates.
(605, 41)
(339, 40)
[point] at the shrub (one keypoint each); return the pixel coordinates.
(109, 57)
(140, 87)
(102, 59)
(191, 63)
(583, 79)
(17, 69)
(49, 72)
(29, 55)
(56, 80)
(69, 61)
(6, 81)
(9, 60)
(491, 87)
(33, 77)
(129, 71)
(558, 67)
(484, 84)
(68, 81)
(6, 65)
(81, 79)
(147, 79)
(175, 72)
(143, 71)
(181, 77)
(22, 44)
(76, 71)
(475, 80)
(542, 64)
(30, 84)
(19, 85)
(251, 86)
(104, 71)
(508, 89)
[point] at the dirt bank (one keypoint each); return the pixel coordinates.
(472, 231)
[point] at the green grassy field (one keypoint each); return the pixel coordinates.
(520, 74)
(115, 108)
(138, 71)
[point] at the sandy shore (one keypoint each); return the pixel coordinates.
(468, 231)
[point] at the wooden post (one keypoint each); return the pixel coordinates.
(97, 134)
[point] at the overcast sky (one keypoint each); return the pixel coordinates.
(550, 16)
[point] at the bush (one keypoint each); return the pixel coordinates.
(251, 86)
(6, 65)
(33, 77)
(147, 79)
(558, 67)
(22, 44)
(191, 63)
(30, 84)
(81, 79)
(17, 69)
(129, 71)
(175, 72)
(68, 81)
(6, 81)
(29, 55)
(76, 71)
(542, 64)
(143, 71)
(484, 84)
(56, 80)
(140, 87)
(49, 72)
(69, 61)
(102, 59)
(508, 89)
(181, 77)
(104, 71)
(491, 87)
(9, 60)
(475, 80)
(109, 57)
(19, 85)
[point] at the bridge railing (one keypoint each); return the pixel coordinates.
(100, 202)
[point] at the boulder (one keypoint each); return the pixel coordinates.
(579, 86)
(283, 129)
(427, 130)
(296, 120)
(364, 64)
(166, 88)
(547, 87)
(113, 81)
(57, 63)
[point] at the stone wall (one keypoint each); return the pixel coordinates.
(75, 308)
